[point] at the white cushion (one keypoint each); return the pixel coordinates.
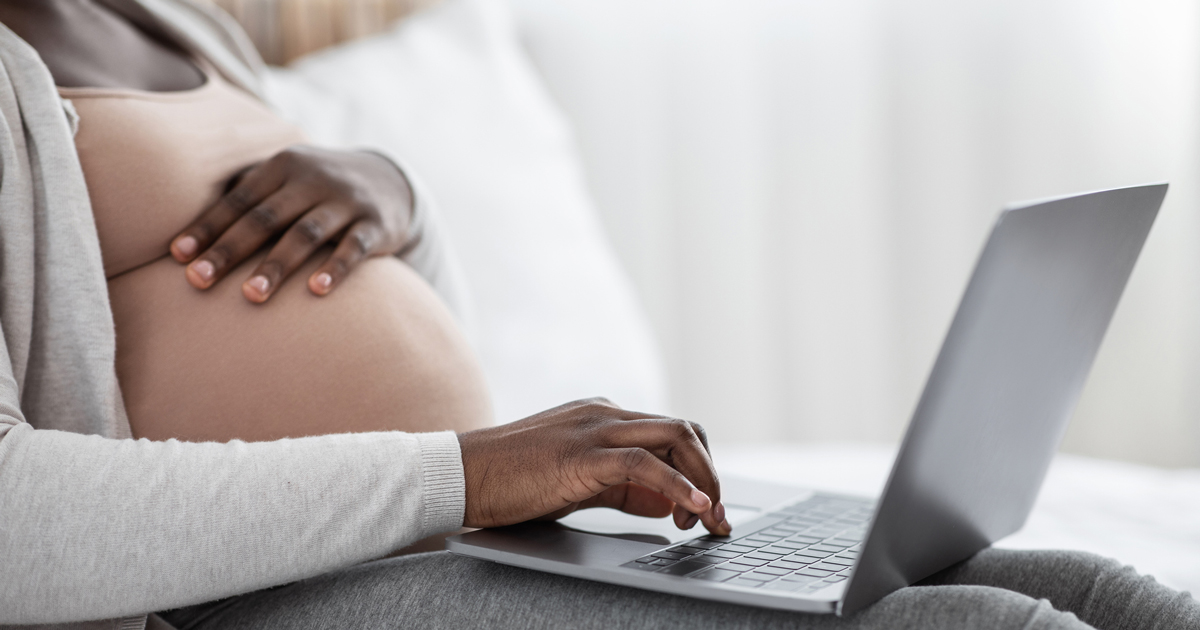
(451, 94)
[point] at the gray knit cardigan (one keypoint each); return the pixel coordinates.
(97, 526)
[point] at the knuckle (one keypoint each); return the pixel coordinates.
(264, 218)
(290, 156)
(681, 429)
(203, 231)
(598, 402)
(310, 231)
(339, 267)
(239, 199)
(632, 458)
(362, 241)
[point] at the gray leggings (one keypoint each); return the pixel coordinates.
(997, 589)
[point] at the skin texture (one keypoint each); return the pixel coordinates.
(311, 195)
(583, 454)
(591, 453)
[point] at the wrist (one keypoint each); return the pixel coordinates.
(405, 192)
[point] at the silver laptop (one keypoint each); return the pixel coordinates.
(987, 425)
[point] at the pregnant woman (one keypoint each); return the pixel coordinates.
(232, 380)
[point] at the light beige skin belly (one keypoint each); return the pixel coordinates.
(380, 353)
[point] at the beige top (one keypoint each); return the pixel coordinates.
(379, 353)
(154, 161)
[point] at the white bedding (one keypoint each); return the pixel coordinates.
(1147, 517)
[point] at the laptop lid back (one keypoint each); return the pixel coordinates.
(1004, 384)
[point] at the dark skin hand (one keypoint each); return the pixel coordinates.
(305, 197)
(591, 453)
(583, 454)
(311, 195)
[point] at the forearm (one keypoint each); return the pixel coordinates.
(95, 528)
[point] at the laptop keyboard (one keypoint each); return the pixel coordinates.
(815, 546)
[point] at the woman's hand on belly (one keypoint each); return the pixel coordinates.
(591, 453)
(311, 196)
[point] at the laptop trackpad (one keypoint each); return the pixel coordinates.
(744, 499)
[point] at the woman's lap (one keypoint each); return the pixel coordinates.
(437, 590)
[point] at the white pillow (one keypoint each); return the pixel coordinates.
(451, 94)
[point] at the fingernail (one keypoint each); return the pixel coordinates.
(691, 521)
(725, 527)
(700, 499)
(719, 512)
(186, 246)
(260, 284)
(322, 281)
(203, 269)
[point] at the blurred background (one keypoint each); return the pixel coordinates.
(799, 190)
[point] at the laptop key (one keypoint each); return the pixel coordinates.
(738, 548)
(707, 559)
(750, 562)
(779, 551)
(758, 555)
(769, 570)
(786, 564)
(670, 555)
(685, 567)
(845, 562)
(722, 553)
(641, 566)
(741, 581)
(761, 577)
(814, 573)
(715, 575)
(825, 566)
(800, 579)
(705, 544)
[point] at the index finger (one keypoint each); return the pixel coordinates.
(677, 443)
(255, 185)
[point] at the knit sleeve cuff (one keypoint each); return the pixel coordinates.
(443, 481)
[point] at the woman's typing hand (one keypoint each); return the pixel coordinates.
(307, 197)
(591, 453)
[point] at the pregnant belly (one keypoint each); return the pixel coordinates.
(379, 353)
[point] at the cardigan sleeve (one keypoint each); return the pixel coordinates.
(93, 528)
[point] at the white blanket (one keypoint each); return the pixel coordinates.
(1143, 516)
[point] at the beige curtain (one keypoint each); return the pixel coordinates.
(284, 30)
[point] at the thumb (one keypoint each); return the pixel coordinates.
(632, 499)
